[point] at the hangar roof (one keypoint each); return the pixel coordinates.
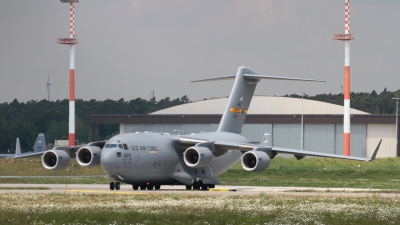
(261, 105)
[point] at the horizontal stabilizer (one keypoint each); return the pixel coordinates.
(229, 77)
(256, 76)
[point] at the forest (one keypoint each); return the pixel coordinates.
(373, 102)
(27, 119)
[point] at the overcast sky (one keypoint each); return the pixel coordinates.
(128, 48)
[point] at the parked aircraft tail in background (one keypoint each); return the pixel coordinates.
(40, 146)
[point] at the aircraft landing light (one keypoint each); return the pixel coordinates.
(109, 192)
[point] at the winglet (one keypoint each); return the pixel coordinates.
(375, 152)
(17, 148)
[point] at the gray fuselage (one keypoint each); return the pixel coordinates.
(153, 157)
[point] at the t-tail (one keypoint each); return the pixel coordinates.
(239, 100)
(40, 144)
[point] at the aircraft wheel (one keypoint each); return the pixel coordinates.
(157, 186)
(150, 187)
(117, 185)
(197, 185)
(135, 186)
(188, 187)
(204, 187)
(211, 185)
(112, 186)
(142, 186)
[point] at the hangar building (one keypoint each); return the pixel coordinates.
(280, 116)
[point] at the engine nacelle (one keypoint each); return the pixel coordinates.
(255, 161)
(88, 156)
(197, 157)
(55, 159)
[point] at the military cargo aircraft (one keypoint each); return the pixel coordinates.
(148, 160)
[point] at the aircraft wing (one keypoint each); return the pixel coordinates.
(299, 154)
(28, 155)
(69, 149)
(272, 151)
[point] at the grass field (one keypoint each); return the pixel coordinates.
(182, 209)
(319, 172)
(308, 172)
(156, 208)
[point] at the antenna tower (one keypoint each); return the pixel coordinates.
(48, 88)
(71, 41)
(346, 37)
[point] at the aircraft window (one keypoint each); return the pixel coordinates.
(120, 146)
(118, 154)
(126, 147)
(113, 145)
(107, 145)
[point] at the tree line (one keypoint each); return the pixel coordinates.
(373, 102)
(27, 120)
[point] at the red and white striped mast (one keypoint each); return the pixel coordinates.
(346, 37)
(71, 41)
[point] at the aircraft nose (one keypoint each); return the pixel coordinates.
(108, 160)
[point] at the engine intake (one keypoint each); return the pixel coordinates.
(197, 157)
(55, 159)
(255, 161)
(88, 156)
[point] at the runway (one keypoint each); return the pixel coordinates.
(180, 190)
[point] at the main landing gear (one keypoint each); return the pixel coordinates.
(145, 186)
(115, 185)
(197, 185)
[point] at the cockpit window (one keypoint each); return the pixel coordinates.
(126, 147)
(113, 145)
(120, 146)
(107, 145)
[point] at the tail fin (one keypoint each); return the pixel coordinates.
(17, 148)
(242, 92)
(40, 144)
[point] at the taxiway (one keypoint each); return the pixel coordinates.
(219, 190)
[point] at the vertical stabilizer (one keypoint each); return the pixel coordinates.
(239, 102)
(17, 148)
(40, 144)
(242, 92)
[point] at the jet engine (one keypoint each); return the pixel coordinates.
(197, 157)
(88, 156)
(55, 159)
(255, 161)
